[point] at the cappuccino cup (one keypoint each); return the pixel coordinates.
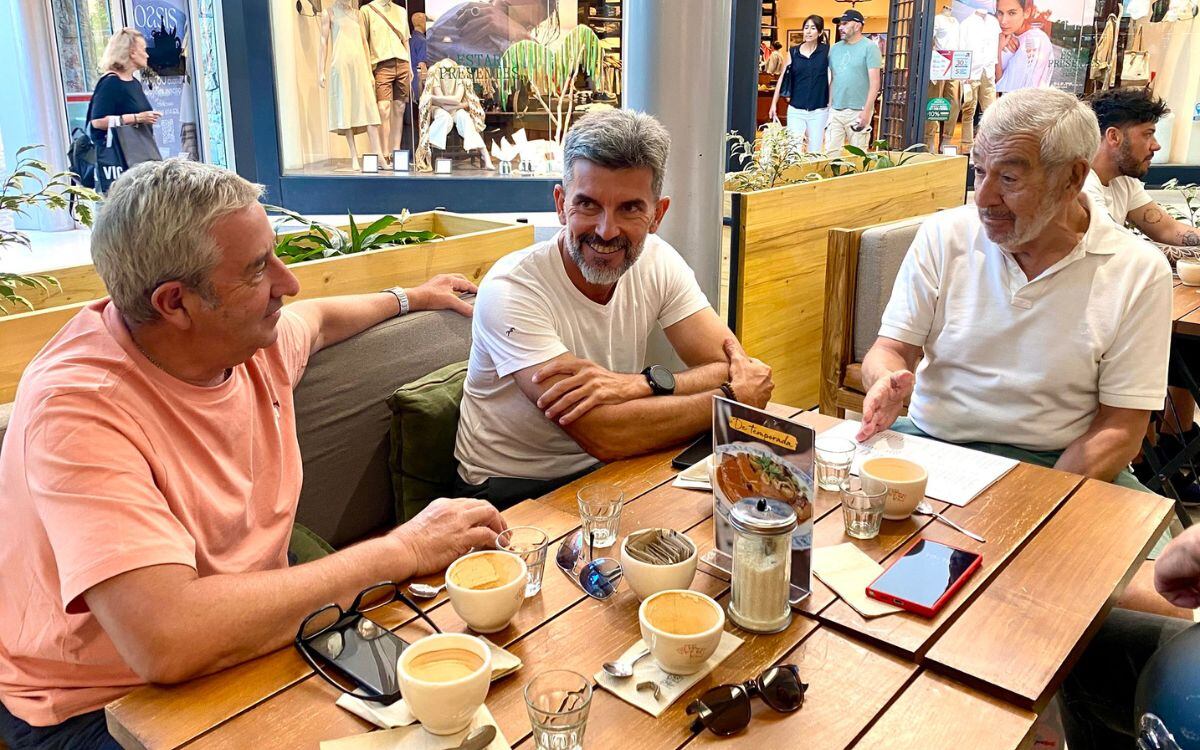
(444, 679)
(487, 588)
(647, 578)
(681, 628)
(905, 482)
(1189, 271)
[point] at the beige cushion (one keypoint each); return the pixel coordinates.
(880, 253)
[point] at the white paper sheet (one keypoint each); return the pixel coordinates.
(956, 475)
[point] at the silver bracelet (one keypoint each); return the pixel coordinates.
(401, 297)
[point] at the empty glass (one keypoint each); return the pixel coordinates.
(529, 543)
(834, 458)
(558, 701)
(862, 506)
(600, 513)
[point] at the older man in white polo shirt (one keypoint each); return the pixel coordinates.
(1040, 327)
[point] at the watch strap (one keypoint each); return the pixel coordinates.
(727, 389)
(401, 297)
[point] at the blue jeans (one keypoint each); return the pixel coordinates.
(84, 732)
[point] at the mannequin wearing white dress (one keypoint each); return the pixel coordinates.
(351, 89)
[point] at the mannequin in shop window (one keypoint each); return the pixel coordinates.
(1024, 49)
(385, 24)
(345, 74)
(945, 37)
(980, 34)
(449, 101)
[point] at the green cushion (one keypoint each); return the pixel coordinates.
(424, 423)
(306, 546)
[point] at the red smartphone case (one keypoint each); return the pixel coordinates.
(945, 597)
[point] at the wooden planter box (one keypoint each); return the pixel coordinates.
(778, 247)
(469, 246)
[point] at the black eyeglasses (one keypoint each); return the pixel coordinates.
(725, 709)
(361, 649)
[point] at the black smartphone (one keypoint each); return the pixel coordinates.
(694, 453)
(365, 652)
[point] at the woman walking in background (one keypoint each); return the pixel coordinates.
(119, 101)
(805, 83)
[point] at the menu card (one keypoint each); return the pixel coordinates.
(956, 474)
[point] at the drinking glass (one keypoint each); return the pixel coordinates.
(862, 506)
(834, 458)
(558, 701)
(528, 543)
(600, 513)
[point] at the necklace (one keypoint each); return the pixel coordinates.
(159, 365)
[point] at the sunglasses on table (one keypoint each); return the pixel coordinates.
(361, 650)
(725, 709)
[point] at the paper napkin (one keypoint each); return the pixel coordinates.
(416, 738)
(397, 714)
(695, 477)
(670, 686)
(848, 571)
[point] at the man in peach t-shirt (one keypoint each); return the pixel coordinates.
(151, 471)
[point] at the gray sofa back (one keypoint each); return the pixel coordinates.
(880, 252)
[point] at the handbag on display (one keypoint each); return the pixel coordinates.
(1135, 65)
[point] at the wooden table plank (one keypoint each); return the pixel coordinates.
(1006, 514)
(1053, 596)
(935, 713)
(1184, 300)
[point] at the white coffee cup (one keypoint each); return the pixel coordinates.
(905, 481)
(487, 610)
(1189, 271)
(445, 706)
(679, 652)
(646, 579)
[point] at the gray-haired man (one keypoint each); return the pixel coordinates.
(557, 379)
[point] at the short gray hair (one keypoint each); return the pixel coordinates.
(154, 227)
(1066, 126)
(619, 139)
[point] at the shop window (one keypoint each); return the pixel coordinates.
(471, 89)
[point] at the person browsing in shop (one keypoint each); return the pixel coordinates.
(151, 468)
(557, 379)
(854, 63)
(1027, 325)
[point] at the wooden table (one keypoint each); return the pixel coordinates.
(1185, 309)
(1060, 549)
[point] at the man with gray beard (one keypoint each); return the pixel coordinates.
(557, 379)
(1041, 329)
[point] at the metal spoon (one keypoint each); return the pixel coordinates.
(479, 739)
(624, 669)
(925, 509)
(424, 590)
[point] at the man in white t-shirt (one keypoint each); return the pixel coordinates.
(1041, 328)
(557, 379)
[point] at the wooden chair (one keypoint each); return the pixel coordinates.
(860, 271)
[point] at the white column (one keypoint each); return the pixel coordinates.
(676, 68)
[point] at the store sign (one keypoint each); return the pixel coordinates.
(937, 109)
(164, 23)
(950, 65)
(960, 66)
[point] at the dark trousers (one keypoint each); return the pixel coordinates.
(505, 492)
(1098, 695)
(84, 732)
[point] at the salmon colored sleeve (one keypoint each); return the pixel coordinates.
(91, 473)
(293, 345)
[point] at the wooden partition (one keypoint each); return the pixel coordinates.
(778, 254)
(470, 246)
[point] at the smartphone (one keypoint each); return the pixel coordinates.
(924, 578)
(694, 453)
(364, 652)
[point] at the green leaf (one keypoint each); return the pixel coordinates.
(355, 236)
(855, 150)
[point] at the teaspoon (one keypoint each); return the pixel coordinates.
(925, 509)
(424, 590)
(624, 669)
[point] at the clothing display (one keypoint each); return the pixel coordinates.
(976, 94)
(1104, 59)
(1135, 63)
(393, 79)
(937, 133)
(350, 86)
(529, 312)
(806, 83)
(776, 62)
(1029, 65)
(448, 79)
(946, 32)
(980, 34)
(385, 24)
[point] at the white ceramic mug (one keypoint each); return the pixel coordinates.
(676, 653)
(1189, 271)
(487, 610)
(445, 707)
(646, 579)
(905, 481)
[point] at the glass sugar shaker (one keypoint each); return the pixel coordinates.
(762, 564)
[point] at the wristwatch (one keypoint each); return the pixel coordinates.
(401, 297)
(661, 380)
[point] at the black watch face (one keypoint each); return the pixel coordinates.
(663, 378)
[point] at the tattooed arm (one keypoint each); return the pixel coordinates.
(1156, 224)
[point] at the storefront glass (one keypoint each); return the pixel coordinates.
(496, 85)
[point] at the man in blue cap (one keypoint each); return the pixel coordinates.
(855, 63)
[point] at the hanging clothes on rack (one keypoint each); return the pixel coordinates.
(1104, 61)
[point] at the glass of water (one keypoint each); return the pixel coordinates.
(528, 543)
(862, 506)
(558, 701)
(600, 513)
(834, 459)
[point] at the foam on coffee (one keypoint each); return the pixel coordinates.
(893, 469)
(487, 571)
(680, 613)
(444, 665)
